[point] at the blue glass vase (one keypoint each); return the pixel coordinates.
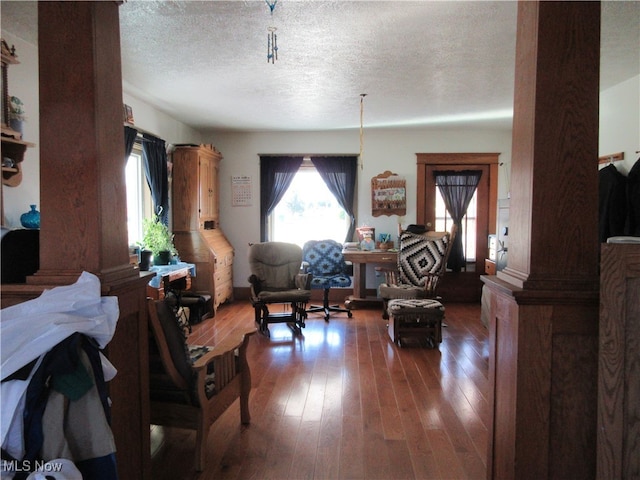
(31, 219)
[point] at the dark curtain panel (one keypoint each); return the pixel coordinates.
(130, 135)
(339, 173)
(276, 174)
(154, 155)
(457, 189)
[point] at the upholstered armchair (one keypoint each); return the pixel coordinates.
(276, 278)
(323, 259)
(192, 385)
(422, 261)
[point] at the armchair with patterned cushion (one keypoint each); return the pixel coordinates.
(323, 259)
(422, 261)
(276, 280)
(192, 385)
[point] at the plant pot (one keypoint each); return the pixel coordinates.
(145, 260)
(162, 258)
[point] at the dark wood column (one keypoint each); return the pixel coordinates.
(82, 177)
(544, 306)
(83, 200)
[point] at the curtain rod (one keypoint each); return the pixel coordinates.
(141, 130)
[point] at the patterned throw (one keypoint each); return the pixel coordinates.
(418, 256)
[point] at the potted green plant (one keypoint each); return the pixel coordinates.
(16, 114)
(159, 240)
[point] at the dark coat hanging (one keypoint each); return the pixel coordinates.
(633, 201)
(612, 202)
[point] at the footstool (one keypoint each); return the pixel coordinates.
(416, 317)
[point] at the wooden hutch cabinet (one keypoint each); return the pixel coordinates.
(196, 215)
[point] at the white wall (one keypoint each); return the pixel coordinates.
(384, 149)
(159, 123)
(620, 122)
(23, 83)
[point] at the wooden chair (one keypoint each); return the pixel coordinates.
(422, 261)
(191, 386)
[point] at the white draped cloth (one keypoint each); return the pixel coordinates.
(30, 329)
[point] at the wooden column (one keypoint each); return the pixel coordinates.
(83, 200)
(82, 178)
(544, 306)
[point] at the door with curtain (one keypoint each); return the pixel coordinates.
(465, 285)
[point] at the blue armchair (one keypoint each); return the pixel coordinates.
(323, 259)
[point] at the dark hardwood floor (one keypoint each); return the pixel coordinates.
(341, 401)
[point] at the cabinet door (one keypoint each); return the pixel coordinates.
(215, 190)
(185, 186)
(207, 204)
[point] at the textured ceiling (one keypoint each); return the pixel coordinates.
(419, 62)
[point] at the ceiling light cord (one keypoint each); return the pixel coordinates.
(362, 95)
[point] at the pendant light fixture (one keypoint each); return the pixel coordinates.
(362, 95)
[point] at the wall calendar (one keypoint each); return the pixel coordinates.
(241, 191)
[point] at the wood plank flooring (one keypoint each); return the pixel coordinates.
(341, 401)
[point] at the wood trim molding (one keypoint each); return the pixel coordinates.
(457, 158)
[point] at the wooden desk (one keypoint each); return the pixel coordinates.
(360, 260)
(169, 276)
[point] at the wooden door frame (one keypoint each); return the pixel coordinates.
(487, 194)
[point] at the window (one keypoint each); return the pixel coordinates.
(313, 208)
(469, 223)
(139, 204)
(308, 211)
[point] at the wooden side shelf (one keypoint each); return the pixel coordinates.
(15, 150)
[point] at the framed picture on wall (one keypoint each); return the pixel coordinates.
(388, 194)
(128, 114)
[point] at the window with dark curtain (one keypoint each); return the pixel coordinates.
(154, 155)
(457, 189)
(276, 174)
(130, 135)
(339, 173)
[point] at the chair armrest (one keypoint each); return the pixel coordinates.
(348, 268)
(230, 344)
(303, 281)
(391, 274)
(225, 364)
(256, 285)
